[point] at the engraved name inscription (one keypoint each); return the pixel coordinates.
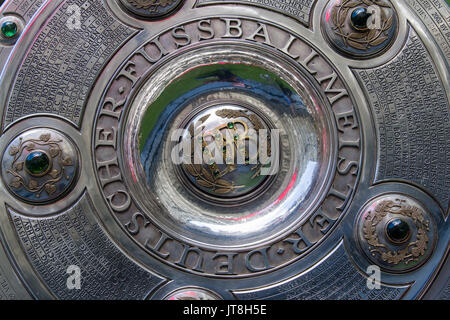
(62, 64)
(298, 9)
(436, 16)
(71, 238)
(412, 118)
(336, 271)
(6, 292)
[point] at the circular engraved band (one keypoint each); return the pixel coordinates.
(128, 195)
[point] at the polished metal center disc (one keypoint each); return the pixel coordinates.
(226, 160)
(228, 146)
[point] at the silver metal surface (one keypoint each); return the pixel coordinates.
(322, 128)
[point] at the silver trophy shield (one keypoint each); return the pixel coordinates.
(224, 150)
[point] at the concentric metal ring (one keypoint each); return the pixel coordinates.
(215, 76)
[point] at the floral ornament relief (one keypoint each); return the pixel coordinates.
(210, 176)
(362, 40)
(152, 5)
(50, 178)
(414, 250)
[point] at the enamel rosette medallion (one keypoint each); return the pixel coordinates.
(208, 149)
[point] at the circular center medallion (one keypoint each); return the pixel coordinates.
(230, 148)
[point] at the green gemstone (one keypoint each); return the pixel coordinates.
(9, 29)
(231, 125)
(37, 163)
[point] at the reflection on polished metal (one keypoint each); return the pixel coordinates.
(211, 149)
(233, 83)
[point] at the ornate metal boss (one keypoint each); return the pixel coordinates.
(212, 149)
